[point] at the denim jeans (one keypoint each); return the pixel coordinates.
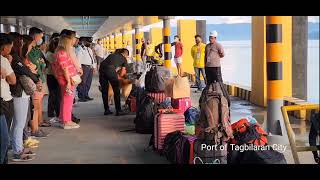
(4, 140)
(197, 73)
(19, 122)
(85, 85)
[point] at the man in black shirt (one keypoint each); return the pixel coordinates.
(113, 67)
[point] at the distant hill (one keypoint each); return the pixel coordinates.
(231, 32)
(242, 31)
(313, 31)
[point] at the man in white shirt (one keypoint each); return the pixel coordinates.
(89, 65)
(7, 76)
(130, 52)
(99, 52)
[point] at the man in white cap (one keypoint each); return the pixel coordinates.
(213, 52)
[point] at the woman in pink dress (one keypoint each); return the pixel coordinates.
(65, 71)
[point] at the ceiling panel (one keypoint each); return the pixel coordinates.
(85, 25)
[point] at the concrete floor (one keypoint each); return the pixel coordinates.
(99, 140)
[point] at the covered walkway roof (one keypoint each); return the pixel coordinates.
(96, 26)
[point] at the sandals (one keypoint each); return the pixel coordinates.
(21, 158)
(45, 124)
(28, 152)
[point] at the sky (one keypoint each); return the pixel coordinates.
(232, 19)
(217, 20)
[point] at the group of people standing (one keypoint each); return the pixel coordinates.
(206, 57)
(31, 69)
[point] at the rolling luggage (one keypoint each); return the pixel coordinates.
(159, 97)
(165, 123)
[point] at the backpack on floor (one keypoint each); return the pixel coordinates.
(176, 148)
(191, 115)
(214, 122)
(140, 95)
(220, 88)
(155, 79)
(145, 116)
(247, 133)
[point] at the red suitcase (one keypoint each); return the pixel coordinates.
(165, 123)
(182, 104)
(133, 104)
(159, 97)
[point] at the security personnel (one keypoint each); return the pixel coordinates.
(111, 69)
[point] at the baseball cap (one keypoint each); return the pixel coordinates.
(214, 34)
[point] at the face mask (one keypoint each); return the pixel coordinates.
(39, 42)
(129, 60)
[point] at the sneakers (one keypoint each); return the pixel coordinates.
(89, 98)
(70, 125)
(82, 100)
(75, 119)
(108, 112)
(54, 120)
(121, 113)
(44, 132)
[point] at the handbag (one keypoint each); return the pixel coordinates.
(28, 85)
(181, 87)
(76, 79)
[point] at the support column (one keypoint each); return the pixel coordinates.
(201, 27)
(259, 59)
(258, 67)
(300, 57)
(19, 27)
(187, 31)
(107, 43)
(138, 37)
(156, 36)
(119, 40)
(124, 38)
(116, 45)
(146, 36)
(138, 44)
(6, 28)
(112, 42)
(166, 40)
(275, 51)
(133, 44)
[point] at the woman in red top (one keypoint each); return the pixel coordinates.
(178, 54)
(64, 69)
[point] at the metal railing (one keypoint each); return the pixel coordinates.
(290, 132)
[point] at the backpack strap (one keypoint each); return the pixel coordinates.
(220, 113)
